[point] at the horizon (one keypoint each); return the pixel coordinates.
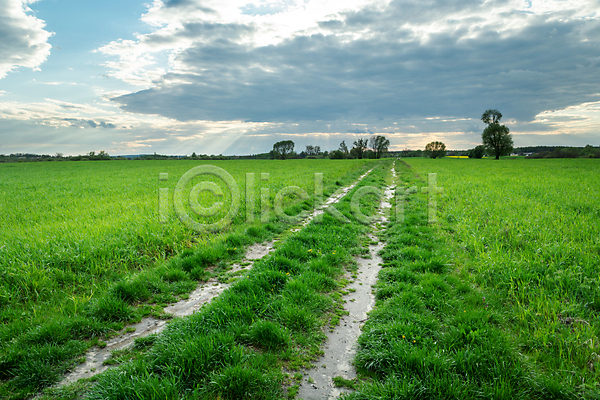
(255, 154)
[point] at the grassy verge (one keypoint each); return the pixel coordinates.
(40, 343)
(436, 333)
(273, 318)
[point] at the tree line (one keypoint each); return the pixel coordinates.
(375, 147)
(31, 157)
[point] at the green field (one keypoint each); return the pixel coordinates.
(501, 299)
(75, 235)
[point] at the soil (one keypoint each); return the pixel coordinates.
(340, 347)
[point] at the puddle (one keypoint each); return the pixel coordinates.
(340, 346)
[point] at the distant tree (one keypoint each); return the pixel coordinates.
(343, 148)
(360, 145)
(194, 154)
(58, 155)
(496, 138)
(380, 145)
(103, 155)
(435, 150)
(590, 151)
(370, 154)
(91, 153)
(337, 155)
(283, 148)
(313, 150)
(477, 152)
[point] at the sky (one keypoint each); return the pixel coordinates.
(235, 76)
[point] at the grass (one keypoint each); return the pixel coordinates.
(86, 255)
(273, 317)
(340, 381)
(496, 301)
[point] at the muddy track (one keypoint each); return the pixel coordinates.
(340, 347)
(203, 294)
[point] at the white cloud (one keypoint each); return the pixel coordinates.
(581, 119)
(23, 40)
(181, 25)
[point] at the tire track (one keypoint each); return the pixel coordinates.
(340, 346)
(203, 294)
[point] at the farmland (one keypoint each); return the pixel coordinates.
(499, 299)
(72, 232)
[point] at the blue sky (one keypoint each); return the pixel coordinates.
(235, 76)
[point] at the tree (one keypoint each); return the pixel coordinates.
(491, 116)
(360, 145)
(380, 145)
(283, 148)
(477, 152)
(496, 138)
(435, 150)
(337, 155)
(313, 150)
(343, 148)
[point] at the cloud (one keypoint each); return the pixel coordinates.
(23, 40)
(235, 76)
(402, 60)
(89, 122)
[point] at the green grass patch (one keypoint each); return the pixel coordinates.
(490, 303)
(273, 317)
(86, 255)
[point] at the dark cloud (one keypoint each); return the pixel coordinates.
(391, 72)
(188, 4)
(332, 24)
